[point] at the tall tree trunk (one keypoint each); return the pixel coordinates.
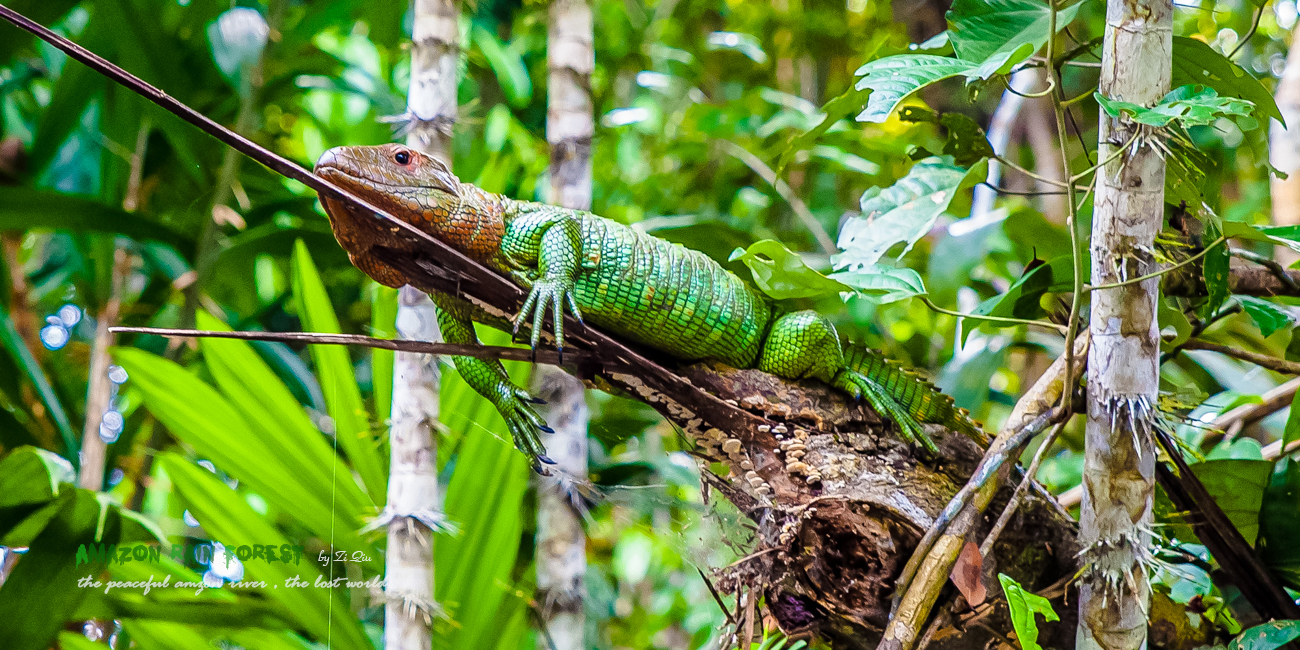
(1284, 150)
(561, 541)
(1123, 365)
(413, 506)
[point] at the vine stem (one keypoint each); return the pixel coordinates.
(1156, 274)
(1072, 215)
(992, 319)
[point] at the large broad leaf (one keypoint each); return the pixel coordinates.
(782, 274)
(997, 34)
(903, 212)
(337, 377)
(1023, 606)
(219, 432)
(1237, 485)
(893, 78)
(883, 284)
(281, 424)
(228, 518)
(1195, 62)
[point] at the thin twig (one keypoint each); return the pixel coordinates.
(1026, 172)
(987, 546)
(993, 319)
(1254, 26)
(549, 357)
(1262, 360)
(800, 209)
(721, 605)
(1118, 152)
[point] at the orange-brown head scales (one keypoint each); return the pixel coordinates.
(415, 188)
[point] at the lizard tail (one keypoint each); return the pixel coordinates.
(915, 394)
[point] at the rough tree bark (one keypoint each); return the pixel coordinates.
(1123, 365)
(836, 525)
(561, 541)
(413, 509)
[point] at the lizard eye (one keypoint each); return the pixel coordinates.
(402, 157)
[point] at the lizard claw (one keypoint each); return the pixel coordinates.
(545, 459)
(548, 295)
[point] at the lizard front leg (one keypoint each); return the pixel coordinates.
(489, 379)
(550, 238)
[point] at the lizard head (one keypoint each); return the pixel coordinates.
(409, 185)
(413, 187)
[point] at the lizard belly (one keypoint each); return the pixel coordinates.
(667, 296)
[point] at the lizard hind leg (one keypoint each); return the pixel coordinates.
(805, 344)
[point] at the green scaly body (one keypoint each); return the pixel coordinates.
(657, 293)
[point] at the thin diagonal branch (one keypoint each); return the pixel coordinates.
(549, 357)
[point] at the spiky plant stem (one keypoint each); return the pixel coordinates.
(1123, 364)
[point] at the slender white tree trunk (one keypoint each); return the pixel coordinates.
(1123, 364)
(561, 541)
(1284, 149)
(414, 510)
(431, 103)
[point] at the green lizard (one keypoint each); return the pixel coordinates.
(654, 292)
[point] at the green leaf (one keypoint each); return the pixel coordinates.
(508, 66)
(782, 274)
(893, 78)
(903, 212)
(1022, 299)
(1267, 636)
(383, 324)
(1267, 316)
(1195, 62)
(207, 421)
(1292, 429)
(1169, 315)
(280, 423)
(1237, 485)
(997, 34)
(228, 518)
(966, 143)
(29, 475)
(1189, 105)
(337, 377)
(1214, 269)
(883, 284)
(1023, 606)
